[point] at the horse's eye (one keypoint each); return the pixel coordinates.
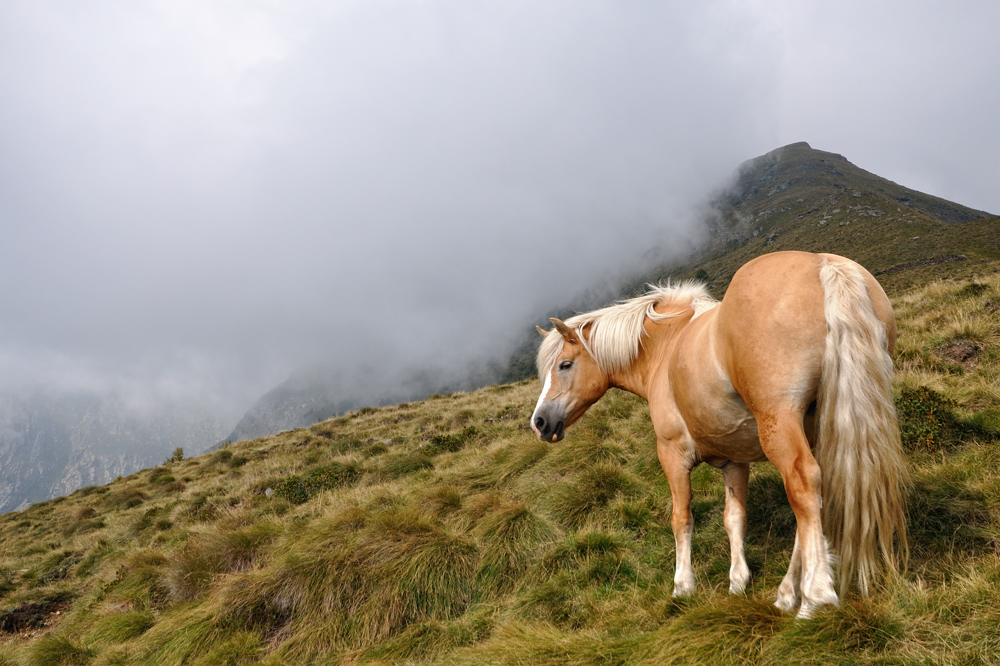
(566, 365)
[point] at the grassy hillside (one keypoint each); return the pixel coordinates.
(443, 532)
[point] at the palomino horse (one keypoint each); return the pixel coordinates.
(795, 357)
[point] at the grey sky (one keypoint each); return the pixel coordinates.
(202, 195)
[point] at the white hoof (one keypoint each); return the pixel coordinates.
(683, 588)
(809, 607)
(788, 595)
(738, 580)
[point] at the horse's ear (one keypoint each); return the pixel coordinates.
(541, 331)
(564, 330)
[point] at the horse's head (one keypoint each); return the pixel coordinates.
(573, 382)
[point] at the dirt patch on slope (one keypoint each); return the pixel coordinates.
(962, 352)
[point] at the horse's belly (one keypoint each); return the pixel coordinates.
(740, 444)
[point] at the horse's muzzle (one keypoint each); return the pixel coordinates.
(547, 428)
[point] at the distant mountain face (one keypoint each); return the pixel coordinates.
(771, 183)
(53, 443)
(800, 198)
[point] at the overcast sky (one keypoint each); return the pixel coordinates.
(201, 195)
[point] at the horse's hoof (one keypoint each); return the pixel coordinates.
(786, 601)
(738, 581)
(809, 608)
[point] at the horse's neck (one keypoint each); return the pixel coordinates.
(653, 353)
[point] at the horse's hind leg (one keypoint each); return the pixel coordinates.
(736, 476)
(785, 444)
(789, 595)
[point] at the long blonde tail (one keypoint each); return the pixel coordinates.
(857, 446)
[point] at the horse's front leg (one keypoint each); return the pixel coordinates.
(736, 477)
(678, 472)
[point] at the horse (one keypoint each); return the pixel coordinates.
(796, 358)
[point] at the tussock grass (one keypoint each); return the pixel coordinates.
(57, 650)
(444, 532)
(121, 627)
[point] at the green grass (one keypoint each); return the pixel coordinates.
(444, 532)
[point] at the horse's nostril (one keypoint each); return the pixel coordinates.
(539, 423)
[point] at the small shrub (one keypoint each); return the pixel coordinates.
(299, 489)
(973, 289)
(450, 443)
(222, 456)
(202, 509)
(127, 498)
(926, 422)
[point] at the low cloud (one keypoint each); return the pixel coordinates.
(203, 197)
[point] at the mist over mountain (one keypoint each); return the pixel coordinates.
(794, 197)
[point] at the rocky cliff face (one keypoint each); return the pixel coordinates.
(53, 443)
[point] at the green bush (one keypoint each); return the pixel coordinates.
(926, 421)
(450, 443)
(299, 489)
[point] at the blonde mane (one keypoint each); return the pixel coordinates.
(615, 332)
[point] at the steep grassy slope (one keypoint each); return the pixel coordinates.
(443, 532)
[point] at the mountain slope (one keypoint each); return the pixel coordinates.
(444, 532)
(800, 198)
